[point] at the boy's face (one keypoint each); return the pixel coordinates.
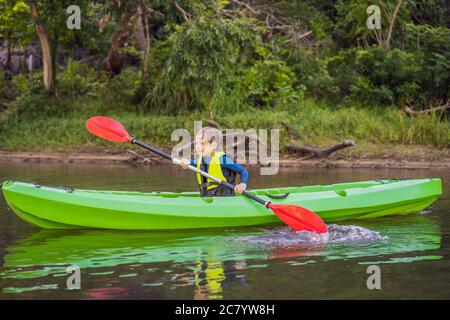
(203, 147)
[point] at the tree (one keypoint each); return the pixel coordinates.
(114, 60)
(199, 58)
(45, 46)
(353, 17)
(15, 31)
(133, 13)
(50, 20)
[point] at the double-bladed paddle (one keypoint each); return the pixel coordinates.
(294, 216)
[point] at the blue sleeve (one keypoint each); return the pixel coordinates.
(193, 163)
(226, 162)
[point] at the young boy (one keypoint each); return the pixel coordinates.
(217, 164)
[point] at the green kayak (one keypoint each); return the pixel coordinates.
(62, 208)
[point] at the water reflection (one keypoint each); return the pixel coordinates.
(208, 280)
(184, 265)
(208, 262)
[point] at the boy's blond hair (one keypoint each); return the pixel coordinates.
(210, 134)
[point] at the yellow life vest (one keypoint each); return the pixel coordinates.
(214, 169)
(209, 275)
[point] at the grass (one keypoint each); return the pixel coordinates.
(375, 131)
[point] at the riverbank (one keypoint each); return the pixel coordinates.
(420, 161)
(383, 136)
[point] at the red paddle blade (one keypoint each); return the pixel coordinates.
(108, 128)
(299, 218)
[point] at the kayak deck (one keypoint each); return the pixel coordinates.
(60, 208)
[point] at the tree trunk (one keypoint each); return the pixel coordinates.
(321, 152)
(45, 47)
(54, 55)
(387, 42)
(147, 48)
(141, 41)
(8, 73)
(8, 63)
(114, 61)
(142, 37)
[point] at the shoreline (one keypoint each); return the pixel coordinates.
(286, 160)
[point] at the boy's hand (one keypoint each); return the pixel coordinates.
(185, 163)
(240, 188)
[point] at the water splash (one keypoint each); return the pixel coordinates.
(349, 234)
(336, 234)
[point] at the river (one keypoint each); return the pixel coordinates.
(411, 252)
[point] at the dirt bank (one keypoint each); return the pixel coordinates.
(418, 162)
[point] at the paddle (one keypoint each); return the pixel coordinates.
(294, 216)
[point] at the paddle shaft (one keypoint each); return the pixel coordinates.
(201, 172)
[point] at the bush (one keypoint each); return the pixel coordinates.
(433, 48)
(29, 106)
(76, 79)
(269, 83)
(198, 60)
(375, 77)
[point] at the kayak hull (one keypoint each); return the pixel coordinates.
(60, 208)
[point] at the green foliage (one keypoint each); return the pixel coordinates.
(314, 15)
(375, 77)
(199, 58)
(225, 58)
(269, 83)
(15, 21)
(53, 16)
(351, 26)
(21, 83)
(430, 12)
(81, 91)
(219, 55)
(79, 79)
(317, 124)
(76, 79)
(432, 45)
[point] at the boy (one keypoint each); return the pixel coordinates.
(217, 164)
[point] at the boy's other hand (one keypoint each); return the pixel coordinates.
(240, 188)
(185, 163)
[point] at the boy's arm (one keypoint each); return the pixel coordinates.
(229, 164)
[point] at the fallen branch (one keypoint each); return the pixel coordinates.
(145, 159)
(187, 16)
(320, 152)
(245, 5)
(139, 157)
(412, 112)
(271, 17)
(299, 37)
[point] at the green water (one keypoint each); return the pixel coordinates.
(218, 264)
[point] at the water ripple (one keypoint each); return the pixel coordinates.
(336, 234)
